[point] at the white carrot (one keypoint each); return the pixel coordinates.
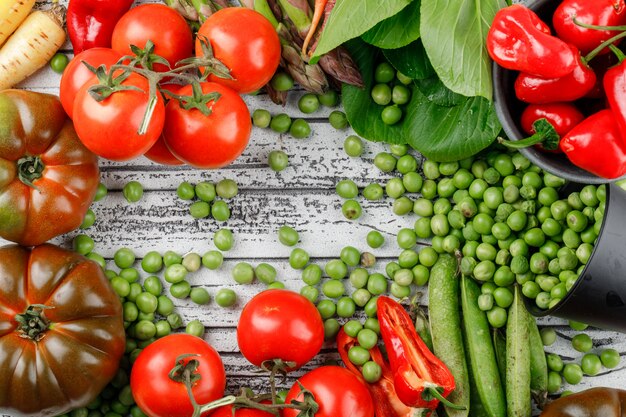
(12, 13)
(31, 46)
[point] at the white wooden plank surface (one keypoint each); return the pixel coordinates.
(301, 196)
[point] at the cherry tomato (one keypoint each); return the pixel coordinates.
(157, 394)
(337, 391)
(280, 324)
(167, 29)
(252, 55)
(211, 141)
(109, 128)
(227, 411)
(76, 74)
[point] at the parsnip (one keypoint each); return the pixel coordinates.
(31, 46)
(12, 13)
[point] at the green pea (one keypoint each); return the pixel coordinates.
(331, 328)
(371, 309)
(352, 327)
(333, 288)
(381, 94)
(298, 258)
(497, 317)
(97, 258)
(375, 239)
(351, 209)
(280, 123)
(385, 162)
(225, 297)
(346, 307)
(58, 62)
(195, 328)
(358, 277)
(101, 192)
(336, 269)
(200, 296)
(554, 382)
(243, 273)
(180, 290)
(175, 273)
(300, 129)
(353, 146)
(146, 302)
(171, 258)
(548, 336)
(145, 330)
(308, 103)
(395, 188)
(226, 188)
(83, 244)
(199, 210)
(163, 328)
(591, 364)
(610, 358)
(429, 189)
(165, 306)
(361, 296)
(220, 211)
(338, 120)
(212, 259)
(347, 189)
(572, 373)
(377, 284)
(88, 220)
(310, 293)
(133, 191)
(368, 260)
(485, 302)
(281, 81)
(261, 118)
(312, 274)
(205, 191)
(129, 274)
(329, 98)
(327, 308)
(223, 239)
(408, 258)
(582, 342)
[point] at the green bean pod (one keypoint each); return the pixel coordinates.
(477, 409)
(445, 322)
(499, 347)
(423, 328)
(480, 351)
(538, 364)
(518, 360)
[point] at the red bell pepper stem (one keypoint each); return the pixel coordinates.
(90, 23)
(417, 371)
(545, 134)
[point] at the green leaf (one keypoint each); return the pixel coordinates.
(351, 18)
(363, 114)
(450, 133)
(454, 34)
(411, 60)
(435, 91)
(398, 30)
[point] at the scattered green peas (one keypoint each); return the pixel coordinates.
(610, 358)
(375, 239)
(195, 328)
(350, 256)
(347, 189)
(331, 328)
(329, 98)
(212, 259)
(185, 191)
(261, 118)
(381, 94)
(582, 342)
(88, 220)
(326, 308)
(243, 273)
(346, 307)
(548, 335)
(308, 103)
(133, 191)
(83, 244)
(226, 188)
(101, 192)
(338, 120)
(572, 373)
(152, 262)
(288, 236)
(225, 297)
(281, 81)
(351, 209)
(223, 239)
(333, 288)
(312, 274)
(200, 295)
(205, 191)
(180, 289)
(58, 62)
(300, 129)
(280, 123)
(191, 262)
(199, 209)
(265, 273)
(220, 211)
(175, 273)
(373, 192)
(352, 327)
(298, 258)
(310, 292)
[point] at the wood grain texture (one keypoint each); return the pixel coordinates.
(302, 196)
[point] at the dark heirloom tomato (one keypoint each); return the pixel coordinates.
(71, 339)
(38, 144)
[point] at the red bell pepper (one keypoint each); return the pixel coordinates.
(533, 89)
(383, 392)
(519, 40)
(614, 83)
(421, 380)
(90, 23)
(597, 145)
(595, 12)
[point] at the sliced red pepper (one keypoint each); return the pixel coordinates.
(595, 12)
(90, 23)
(530, 88)
(421, 380)
(383, 392)
(519, 40)
(596, 145)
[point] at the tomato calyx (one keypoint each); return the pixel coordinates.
(109, 83)
(199, 101)
(32, 324)
(208, 63)
(277, 367)
(145, 57)
(30, 169)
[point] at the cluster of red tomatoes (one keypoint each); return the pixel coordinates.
(276, 326)
(111, 125)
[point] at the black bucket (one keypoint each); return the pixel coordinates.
(598, 298)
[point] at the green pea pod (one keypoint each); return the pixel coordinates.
(480, 351)
(499, 345)
(423, 328)
(518, 359)
(445, 322)
(477, 409)
(538, 364)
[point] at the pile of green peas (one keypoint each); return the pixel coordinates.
(90, 216)
(390, 91)
(281, 123)
(590, 363)
(359, 354)
(207, 193)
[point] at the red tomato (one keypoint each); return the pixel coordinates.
(109, 128)
(160, 154)
(244, 41)
(227, 411)
(337, 391)
(157, 394)
(167, 29)
(211, 141)
(76, 74)
(280, 324)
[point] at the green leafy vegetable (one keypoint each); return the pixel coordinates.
(411, 60)
(398, 30)
(458, 129)
(363, 114)
(454, 33)
(351, 18)
(450, 133)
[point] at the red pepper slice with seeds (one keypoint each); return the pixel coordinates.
(421, 380)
